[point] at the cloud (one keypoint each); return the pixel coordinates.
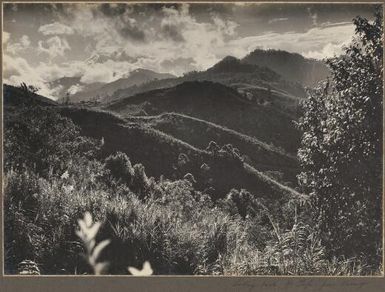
(105, 72)
(318, 42)
(53, 47)
(55, 28)
(328, 51)
(17, 70)
(129, 29)
(313, 16)
(16, 48)
(118, 36)
(280, 19)
(6, 37)
(226, 27)
(178, 66)
(25, 42)
(164, 38)
(75, 88)
(171, 31)
(174, 22)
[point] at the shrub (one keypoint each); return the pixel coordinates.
(120, 168)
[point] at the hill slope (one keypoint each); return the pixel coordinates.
(291, 66)
(200, 133)
(229, 71)
(218, 104)
(160, 154)
(15, 96)
(97, 90)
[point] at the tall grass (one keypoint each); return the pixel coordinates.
(168, 222)
(179, 230)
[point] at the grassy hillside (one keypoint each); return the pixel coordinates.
(160, 154)
(199, 133)
(159, 150)
(171, 223)
(15, 96)
(264, 94)
(218, 104)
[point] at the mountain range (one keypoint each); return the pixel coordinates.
(80, 91)
(159, 149)
(281, 70)
(246, 107)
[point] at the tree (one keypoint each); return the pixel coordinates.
(341, 147)
(30, 89)
(67, 98)
(120, 167)
(40, 138)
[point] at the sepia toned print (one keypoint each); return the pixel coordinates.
(193, 139)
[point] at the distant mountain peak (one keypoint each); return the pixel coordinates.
(276, 52)
(100, 90)
(142, 70)
(150, 73)
(230, 59)
(232, 64)
(292, 66)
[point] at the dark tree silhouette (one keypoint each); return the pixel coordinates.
(341, 147)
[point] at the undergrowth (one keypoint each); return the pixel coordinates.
(166, 222)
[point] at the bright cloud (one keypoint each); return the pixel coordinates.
(53, 47)
(21, 45)
(55, 28)
(273, 20)
(17, 70)
(317, 42)
(102, 45)
(6, 36)
(75, 88)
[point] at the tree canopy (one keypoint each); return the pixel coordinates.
(341, 147)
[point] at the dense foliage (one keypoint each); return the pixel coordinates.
(179, 229)
(341, 151)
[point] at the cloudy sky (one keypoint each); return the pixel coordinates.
(103, 42)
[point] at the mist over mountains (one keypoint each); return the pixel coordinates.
(288, 72)
(249, 103)
(80, 91)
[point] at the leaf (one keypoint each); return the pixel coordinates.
(88, 219)
(92, 244)
(98, 249)
(99, 268)
(146, 270)
(80, 234)
(91, 232)
(82, 225)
